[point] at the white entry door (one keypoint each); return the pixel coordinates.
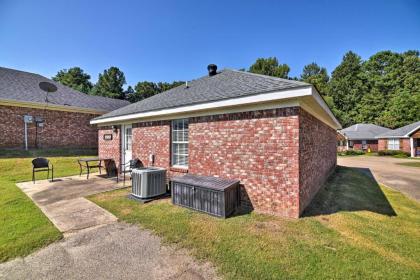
(127, 143)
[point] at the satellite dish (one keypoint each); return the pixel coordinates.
(47, 86)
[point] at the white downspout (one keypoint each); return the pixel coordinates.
(26, 136)
(412, 147)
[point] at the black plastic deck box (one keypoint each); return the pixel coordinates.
(212, 195)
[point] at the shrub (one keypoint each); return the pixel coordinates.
(351, 153)
(399, 154)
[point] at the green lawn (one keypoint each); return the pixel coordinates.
(355, 229)
(23, 227)
(412, 164)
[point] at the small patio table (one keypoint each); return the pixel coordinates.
(95, 162)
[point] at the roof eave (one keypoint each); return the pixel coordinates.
(208, 107)
(50, 106)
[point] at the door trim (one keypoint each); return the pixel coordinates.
(123, 141)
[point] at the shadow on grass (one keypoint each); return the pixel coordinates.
(350, 189)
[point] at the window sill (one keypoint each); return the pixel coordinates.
(179, 169)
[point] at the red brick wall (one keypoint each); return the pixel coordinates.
(373, 147)
(61, 129)
(404, 145)
(357, 145)
(382, 144)
(152, 138)
(317, 156)
(110, 148)
(260, 148)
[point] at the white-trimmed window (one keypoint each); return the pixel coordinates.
(180, 143)
(394, 144)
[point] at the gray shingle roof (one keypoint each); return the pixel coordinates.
(363, 131)
(225, 85)
(22, 86)
(400, 132)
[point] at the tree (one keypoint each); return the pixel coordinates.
(316, 75)
(271, 67)
(128, 93)
(403, 109)
(347, 87)
(75, 78)
(404, 102)
(381, 73)
(110, 84)
(146, 89)
(143, 90)
(164, 86)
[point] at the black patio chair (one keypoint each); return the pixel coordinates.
(129, 166)
(42, 164)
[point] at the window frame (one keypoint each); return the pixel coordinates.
(178, 157)
(393, 144)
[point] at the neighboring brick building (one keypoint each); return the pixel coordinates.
(360, 137)
(276, 136)
(405, 139)
(59, 119)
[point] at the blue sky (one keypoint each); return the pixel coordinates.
(176, 40)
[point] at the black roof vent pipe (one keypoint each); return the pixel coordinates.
(212, 68)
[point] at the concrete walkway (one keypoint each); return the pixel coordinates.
(95, 245)
(115, 251)
(387, 171)
(63, 202)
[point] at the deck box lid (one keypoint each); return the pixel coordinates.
(210, 182)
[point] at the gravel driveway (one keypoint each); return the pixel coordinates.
(115, 251)
(387, 171)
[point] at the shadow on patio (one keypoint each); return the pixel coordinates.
(349, 190)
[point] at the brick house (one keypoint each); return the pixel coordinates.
(56, 119)
(277, 136)
(405, 139)
(360, 137)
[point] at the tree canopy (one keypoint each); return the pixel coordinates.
(383, 90)
(316, 75)
(75, 78)
(110, 83)
(270, 66)
(147, 89)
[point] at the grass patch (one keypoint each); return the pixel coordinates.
(23, 227)
(353, 229)
(412, 164)
(15, 153)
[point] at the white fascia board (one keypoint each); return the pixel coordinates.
(391, 137)
(216, 105)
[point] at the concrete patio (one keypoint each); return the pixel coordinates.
(63, 201)
(95, 245)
